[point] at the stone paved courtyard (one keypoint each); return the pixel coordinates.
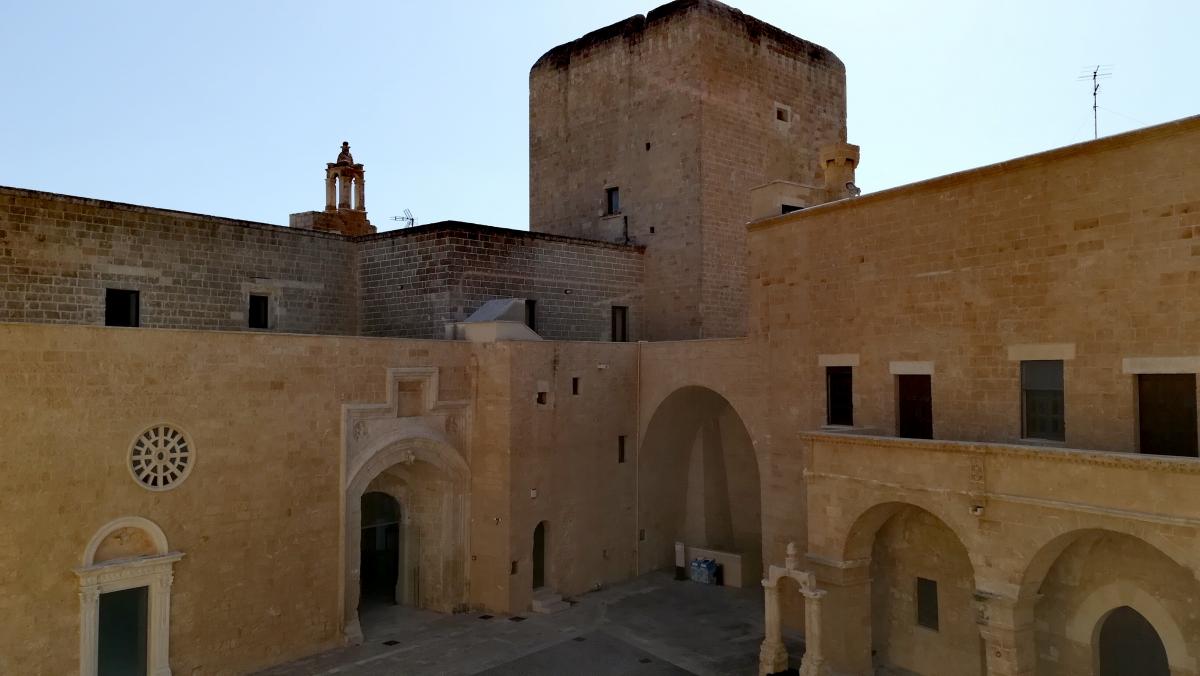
(652, 626)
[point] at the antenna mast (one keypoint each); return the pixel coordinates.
(1100, 72)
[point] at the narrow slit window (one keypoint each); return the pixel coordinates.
(620, 324)
(927, 603)
(259, 314)
(1042, 406)
(621, 449)
(122, 307)
(839, 389)
(575, 385)
(531, 314)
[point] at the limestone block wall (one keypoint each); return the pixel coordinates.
(415, 281)
(1089, 248)
(567, 450)
(59, 253)
(678, 109)
(256, 519)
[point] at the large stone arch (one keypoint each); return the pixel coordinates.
(1048, 552)
(859, 537)
(423, 470)
(698, 482)
(1077, 578)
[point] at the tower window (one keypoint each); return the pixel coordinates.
(839, 390)
(612, 199)
(620, 324)
(1042, 405)
(531, 314)
(259, 312)
(575, 385)
(621, 448)
(121, 307)
(927, 603)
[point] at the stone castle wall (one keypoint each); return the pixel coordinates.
(416, 281)
(59, 253)
(677, 109)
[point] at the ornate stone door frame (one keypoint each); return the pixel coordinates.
(153, 572)
(772, 656)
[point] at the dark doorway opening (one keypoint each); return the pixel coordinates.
(539, 555)
(1129, 646)
(379, 567)
(122, 636)
(914, 406)
(1167, 413)
(839, 390)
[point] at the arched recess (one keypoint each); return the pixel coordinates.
(698, 483)
(1080, 577)
(125, 554)
(430, 480)
(921, 591)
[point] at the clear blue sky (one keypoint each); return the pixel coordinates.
(232, 108)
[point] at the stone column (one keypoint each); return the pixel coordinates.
(160, 626)
(848, 616)
(772, 655)
(343, 192)
(360, 193)
(89, 627)
(814, 660)
(1006, 626)
(330, 192)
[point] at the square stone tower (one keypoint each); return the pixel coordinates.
(653, 131)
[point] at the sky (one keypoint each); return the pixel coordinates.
(233, 108)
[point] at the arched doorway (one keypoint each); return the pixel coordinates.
(699, 484)
(380, 550)
(1127, 645)
(539, 556)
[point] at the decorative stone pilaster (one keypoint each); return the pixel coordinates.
(89, 626)
(1006, 626)
(772, 656)
(330, 191)
(360, 192)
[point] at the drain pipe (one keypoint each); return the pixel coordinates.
(637, 465)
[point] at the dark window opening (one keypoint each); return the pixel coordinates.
(647, 146)
(620, 324)
(621, 448)
(613, 201)
(1042, 412)
(652, 230)
(914, 407)
(258, 312)
(1167, 414)
(575, 386)
(927, 603)
(121, 307)
(781, 114)
(839, 389)
(789, 208)
(541, 397)
(531, 314)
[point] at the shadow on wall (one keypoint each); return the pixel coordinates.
(698, 482)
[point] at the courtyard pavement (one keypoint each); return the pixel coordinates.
(651, 626)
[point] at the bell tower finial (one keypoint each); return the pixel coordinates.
(345, 199)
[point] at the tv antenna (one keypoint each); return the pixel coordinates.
(407, 219)
(1100, 72)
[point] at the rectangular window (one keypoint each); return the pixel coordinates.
(531, 314)
(1042, 400)
(927, 603)
(789, 208)
(914, 406)
(121, 307)
(1167, 413)
(621, 448)
(575, 386)
(620, 324)
(612, 199)
(258, 314)
(839, 391)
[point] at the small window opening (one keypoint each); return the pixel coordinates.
(1042, 400)
(927, 603)
(652, 230)
(512, 569)
(789, 208)
(839, 390)
(620, 324)
(612, 198)
(121, 307)
(531, 314)
(647, 145)
(575, 385)
(258, 313)
(641, 534)
(621, 448)
(541, 398)
(782, 114)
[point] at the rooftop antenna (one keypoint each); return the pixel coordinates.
(1100, 72)
(407, 219)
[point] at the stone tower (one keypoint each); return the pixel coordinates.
(654, 130)
(345, 200)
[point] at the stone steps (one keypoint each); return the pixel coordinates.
(547, 601)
